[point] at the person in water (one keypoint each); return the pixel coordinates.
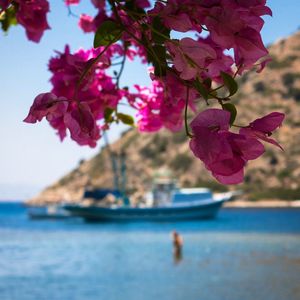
(177, 246)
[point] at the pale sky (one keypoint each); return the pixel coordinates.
(31, 156)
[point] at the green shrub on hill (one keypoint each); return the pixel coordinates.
(276, 193)
(213, 185)
(281, 64)
(181, 162)
(179, 137)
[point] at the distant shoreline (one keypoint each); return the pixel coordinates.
(12, 201)
(229, 204)
(263, 204)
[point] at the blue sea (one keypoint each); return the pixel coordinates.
(244, 254)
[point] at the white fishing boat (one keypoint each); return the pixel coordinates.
(183, 204)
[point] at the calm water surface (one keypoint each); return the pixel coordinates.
(242, 255)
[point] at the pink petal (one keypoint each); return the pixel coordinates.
(249, 147)
(180, 22)
(268, 123)
(210, 118)
(227, 167)
(210, 147)
(236, 178)
(259, 135)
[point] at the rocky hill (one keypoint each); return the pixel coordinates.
(275, 175)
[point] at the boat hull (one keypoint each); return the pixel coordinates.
(203, 210)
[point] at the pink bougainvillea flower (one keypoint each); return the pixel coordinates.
(82, 125)
(222, 62)
(46, 105)
(86, 23)
(97, 91)
(236, 178)
(243, 149)
(191, 57)
(256, 7)
(53, 108)
(211, 145)
(234, 26)
(148, 121)
(249, 48)
(161, 105)
(66, 69)
(32, 15)
(171, 114)
(224, 153)
(180, 22)
(59, 125)
(268, 123)
(262, 128)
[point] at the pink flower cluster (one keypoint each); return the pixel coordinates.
(31, 14)
(225, 153)
(75, 108)
(232, 25)
(202, 58)
(162, 104)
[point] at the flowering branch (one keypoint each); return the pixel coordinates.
(84, 98)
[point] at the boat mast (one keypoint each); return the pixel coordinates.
(123, 177)
(113, 159)
(118, 172)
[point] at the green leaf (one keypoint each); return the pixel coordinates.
(232, 109)
(207, 82)
(126, 119)
(230, 83)
(108, 114)
(160, 66)
(212, 94)
(199, 86)
(160, 32)
(158, 57)
(109, 32)
(8, 18)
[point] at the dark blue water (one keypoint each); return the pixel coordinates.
(244, 254)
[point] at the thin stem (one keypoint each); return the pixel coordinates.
(237, 70)
(185, 113)
(122, 67)
(70, 13)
